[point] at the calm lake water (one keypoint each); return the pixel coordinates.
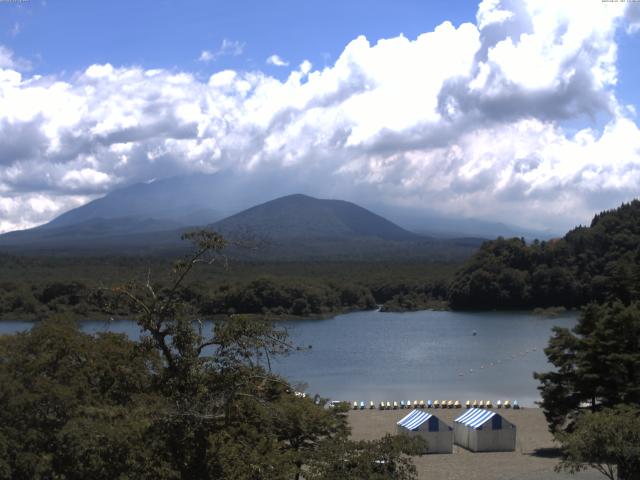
(417, 355)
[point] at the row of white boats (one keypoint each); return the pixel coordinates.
(436, 404)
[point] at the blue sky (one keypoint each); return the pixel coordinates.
(520, 111)
(69, 35)
(66, 36)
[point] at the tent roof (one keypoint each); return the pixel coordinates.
(475, 417)
(414, 419)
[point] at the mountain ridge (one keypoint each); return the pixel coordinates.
(293, 227)
(209, 198)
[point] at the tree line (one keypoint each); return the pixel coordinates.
(266, 294)
(598, 263)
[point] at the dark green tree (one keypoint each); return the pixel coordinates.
(608, 441)
(75, 406)
(597, 364)
(230, 416)
(387, 458)
(598, 263)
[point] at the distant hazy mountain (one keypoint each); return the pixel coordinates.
(181, 201)
(205, 199)
(295, 227)
(149, 217)
(437, 225)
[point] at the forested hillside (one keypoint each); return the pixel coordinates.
(594, 263)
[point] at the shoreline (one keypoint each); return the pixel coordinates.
(551, 312)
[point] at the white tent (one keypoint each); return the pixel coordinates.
(438, 434)
(484, 431)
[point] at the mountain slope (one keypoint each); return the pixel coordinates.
(291, 228)
(180, 200)
(299, 227)
(300, 216)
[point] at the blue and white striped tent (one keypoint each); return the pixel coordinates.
(439, 435)
(484, 431)
(476, 417)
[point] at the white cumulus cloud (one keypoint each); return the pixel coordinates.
(276, 61)
(467, 119)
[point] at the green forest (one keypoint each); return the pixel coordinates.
(597, 263)
(589, 264)
(33, 287)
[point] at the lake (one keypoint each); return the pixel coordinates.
(415, 355)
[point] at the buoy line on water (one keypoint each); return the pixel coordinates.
(508, 358)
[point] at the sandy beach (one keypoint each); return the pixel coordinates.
(534, 458)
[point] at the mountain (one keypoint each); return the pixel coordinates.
(182, 201)
(299, 227)
(204, 199)
(428, 222)
(302, 217)
(294, 227)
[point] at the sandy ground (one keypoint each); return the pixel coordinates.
(533, 459)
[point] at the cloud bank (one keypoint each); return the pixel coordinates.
(468, 120)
